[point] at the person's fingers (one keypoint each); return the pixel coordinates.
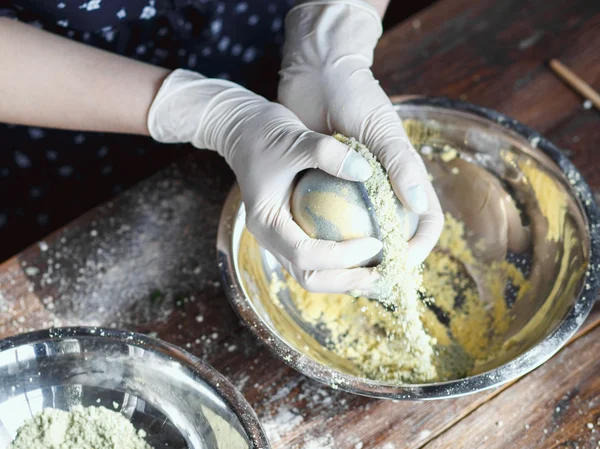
(407, 174)
(382, 131)
(363, 281)
(335, 158)
(280, 234)
(428, 232)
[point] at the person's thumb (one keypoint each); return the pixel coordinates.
(337, 159)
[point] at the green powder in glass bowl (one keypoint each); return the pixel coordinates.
(81, 428)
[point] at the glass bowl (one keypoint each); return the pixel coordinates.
(177, 399)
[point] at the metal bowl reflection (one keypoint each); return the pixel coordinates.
(501, 162)
(181, 402)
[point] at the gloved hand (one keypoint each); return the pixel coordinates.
(327, 82)
(267, 146)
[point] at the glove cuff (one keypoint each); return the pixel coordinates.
(165, 109)
(190, 108)
(322, 34)
(365, 6)
(206, 112)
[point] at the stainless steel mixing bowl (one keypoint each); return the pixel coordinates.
(556, 247)
(180, 401)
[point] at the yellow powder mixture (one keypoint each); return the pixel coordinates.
(551, 200)
(465, 330)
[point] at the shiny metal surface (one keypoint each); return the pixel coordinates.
(331, 208)
(180, 401)
(558, 250)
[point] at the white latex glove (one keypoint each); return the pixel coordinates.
(267, 146)
(327, 82)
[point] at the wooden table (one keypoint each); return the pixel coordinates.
(146, 261)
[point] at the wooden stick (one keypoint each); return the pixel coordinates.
(575, 83)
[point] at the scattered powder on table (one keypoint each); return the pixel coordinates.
(89, 427)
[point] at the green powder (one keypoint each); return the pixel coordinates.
(81, 428)
(400, 284)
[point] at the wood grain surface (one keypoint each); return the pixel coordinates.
(556, 406)
(146, 261)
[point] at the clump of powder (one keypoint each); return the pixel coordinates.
(362, 331)
(398, 281)
(400, 284)
(93, 427)
(468, 331)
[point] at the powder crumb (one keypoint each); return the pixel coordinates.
(424, 434)
(448, 153)
(499, 423)
(590, 425)
(95, 427)
(32, 271)
(115, 405)
(455, 170)
(587, 104)
(426, 150)
(358, 445)
(324, 442)
(199, 318)
(283, 422)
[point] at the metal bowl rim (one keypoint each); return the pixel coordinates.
(221, 385)
(521, 365)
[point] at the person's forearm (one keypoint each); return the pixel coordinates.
(50, 81)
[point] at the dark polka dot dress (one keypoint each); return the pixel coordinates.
(49, 177)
